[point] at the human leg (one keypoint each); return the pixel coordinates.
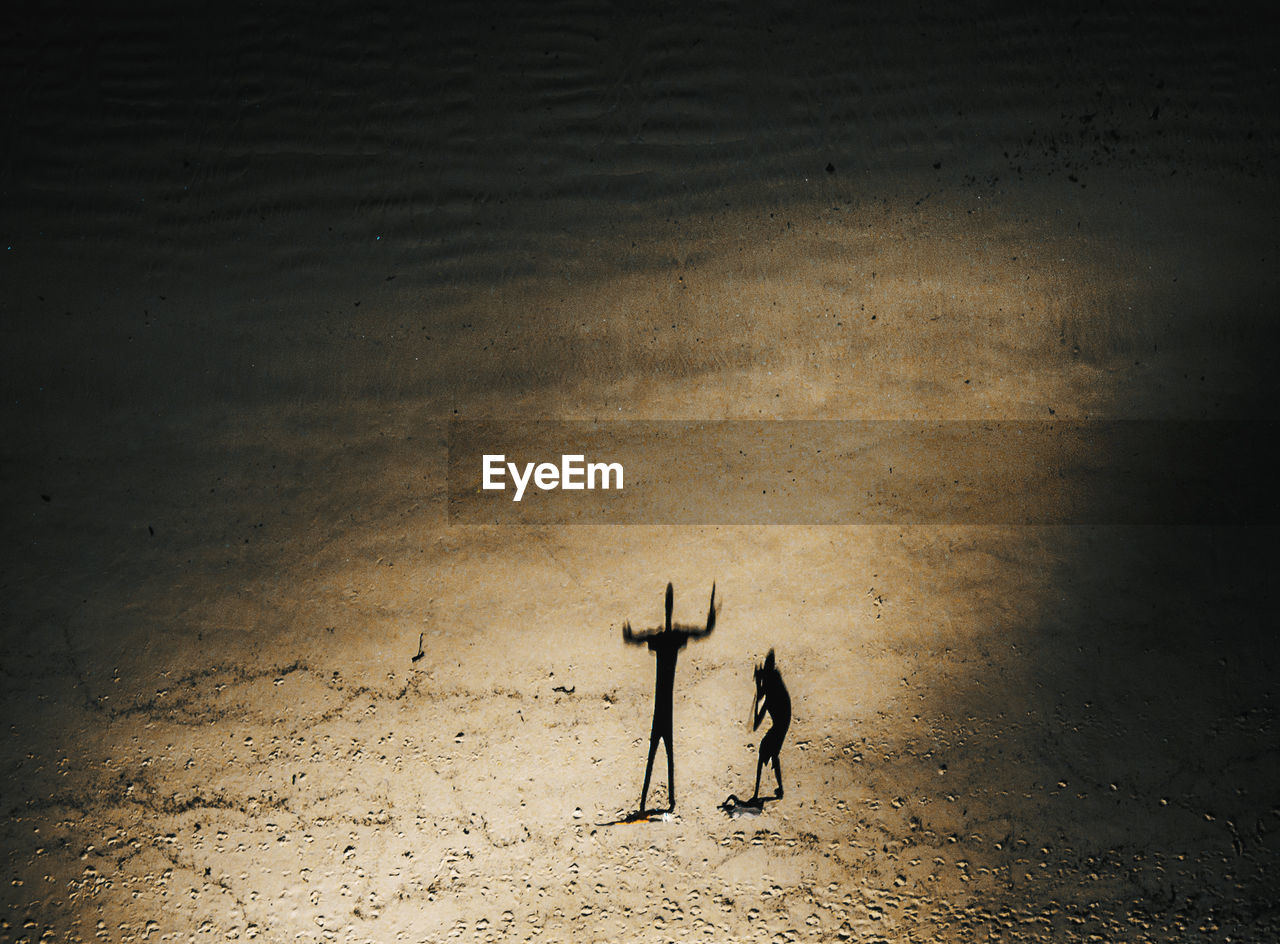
(648, 769)
(671, 773)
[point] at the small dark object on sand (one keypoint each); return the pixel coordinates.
(735, 807)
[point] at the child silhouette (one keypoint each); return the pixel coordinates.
(771, 697)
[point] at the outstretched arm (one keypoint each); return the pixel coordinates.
(640, 638)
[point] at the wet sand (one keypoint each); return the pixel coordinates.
(254, 266)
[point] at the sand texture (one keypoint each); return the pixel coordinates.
(254, 264)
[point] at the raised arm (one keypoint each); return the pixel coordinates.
(697, 632)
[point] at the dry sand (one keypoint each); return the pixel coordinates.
(253, 265)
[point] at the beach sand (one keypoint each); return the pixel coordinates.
(253, 266)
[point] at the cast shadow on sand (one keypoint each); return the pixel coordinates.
(771, 698)
(734, 807)
(666, 644)
(640, 816)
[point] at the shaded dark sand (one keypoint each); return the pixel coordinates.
(243, 300)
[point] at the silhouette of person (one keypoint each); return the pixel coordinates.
(771, 697)
(666, 644)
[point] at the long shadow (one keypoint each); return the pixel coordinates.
(639, 816)
(666, 644)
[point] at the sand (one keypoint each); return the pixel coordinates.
(254, 264)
